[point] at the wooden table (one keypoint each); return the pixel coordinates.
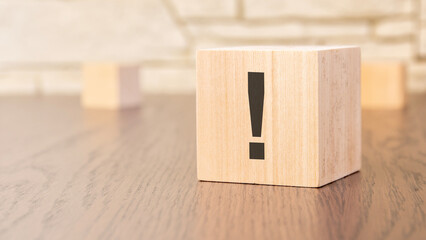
(70, 173)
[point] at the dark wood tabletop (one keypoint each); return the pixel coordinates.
(73, 173)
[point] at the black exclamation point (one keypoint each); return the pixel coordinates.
(256, 92)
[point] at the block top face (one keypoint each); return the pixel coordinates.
(281, 48)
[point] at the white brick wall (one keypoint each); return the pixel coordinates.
(400, 50)
(18, 82)
(61, 81)
(43, 43)
(396, 28)
(291, 30)
(168, 80)
(205, 8)
(327, 8)
(60, 30)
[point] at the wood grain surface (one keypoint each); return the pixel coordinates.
(70, 173)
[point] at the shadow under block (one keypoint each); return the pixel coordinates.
(108, 85)
(383, 85)
(311, 114)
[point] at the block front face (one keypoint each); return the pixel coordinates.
(289, 130)
(100, 85)
(383, 85)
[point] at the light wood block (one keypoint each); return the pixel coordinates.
(109, 85)
(383, 85)
(311, 117)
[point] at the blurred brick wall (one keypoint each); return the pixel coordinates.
(44, 42)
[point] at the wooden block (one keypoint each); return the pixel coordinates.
(109, 85)
(383, 85)
(278, 115)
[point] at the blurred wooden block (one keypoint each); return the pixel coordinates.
(109, 85)
(383, 85)
(278, 115)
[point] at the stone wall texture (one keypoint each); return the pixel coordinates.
(43, 43)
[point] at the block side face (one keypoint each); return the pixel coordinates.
(129, 90)
(100, 85)
(383, 85)
(289, 124)
(339, 114)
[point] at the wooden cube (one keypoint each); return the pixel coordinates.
(109, 85)
(278, 115)
(383, 85)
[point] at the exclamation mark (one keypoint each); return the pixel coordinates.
(256, 92)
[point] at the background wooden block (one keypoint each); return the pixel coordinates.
(383, 85)
(311, 120)
(109, 85)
